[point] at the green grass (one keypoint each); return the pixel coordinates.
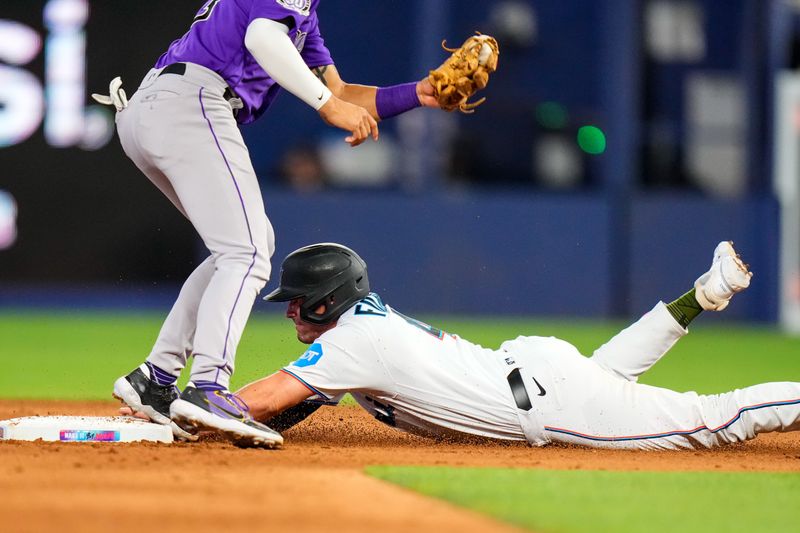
(78, 355)
(572, 501)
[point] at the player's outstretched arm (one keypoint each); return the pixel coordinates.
(272, 395)
(368, 96)
(380, 102)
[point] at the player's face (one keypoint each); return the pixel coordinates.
(306, 331)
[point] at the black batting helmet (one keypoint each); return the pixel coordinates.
(325, 273)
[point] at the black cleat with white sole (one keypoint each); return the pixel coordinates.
(142, 394)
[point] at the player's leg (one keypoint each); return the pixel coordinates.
(219, 190)
(744, 413)
(175, 340)
(195, 143)
(150, 388)
(637, 348)
(634, 416)
(587, 406)
(209, 168)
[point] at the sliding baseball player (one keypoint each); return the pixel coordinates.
(539, 389)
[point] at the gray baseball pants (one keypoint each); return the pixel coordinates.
(180, 132)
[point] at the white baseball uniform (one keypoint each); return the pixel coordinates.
(540, 389)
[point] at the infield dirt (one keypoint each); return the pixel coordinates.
(314, 483)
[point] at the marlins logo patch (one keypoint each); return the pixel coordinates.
(301, 6)
(312, 355)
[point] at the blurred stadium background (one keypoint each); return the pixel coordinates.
(620, 140)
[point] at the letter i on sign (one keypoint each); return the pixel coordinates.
(65, 67)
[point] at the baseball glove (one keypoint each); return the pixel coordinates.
(464, 73)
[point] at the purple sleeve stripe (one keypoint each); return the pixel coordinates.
(397, 99)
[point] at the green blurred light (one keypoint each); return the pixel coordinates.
(551, 115)
(592, 140)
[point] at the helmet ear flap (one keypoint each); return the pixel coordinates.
(336, 301)
(308, 309)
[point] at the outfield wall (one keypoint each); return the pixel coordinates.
(536, 254)
(499, 254)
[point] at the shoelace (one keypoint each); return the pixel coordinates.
(237, 402)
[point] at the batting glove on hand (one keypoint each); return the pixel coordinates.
(116, 96)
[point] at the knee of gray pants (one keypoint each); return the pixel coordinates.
(252, 262)
(254, 256)
(261, 267)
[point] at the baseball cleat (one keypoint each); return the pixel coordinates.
(225, 413)
(142, 394)
(727, 276)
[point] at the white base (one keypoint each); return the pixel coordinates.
(83, 429)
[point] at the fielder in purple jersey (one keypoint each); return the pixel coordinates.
(180, 129)
(216, 42)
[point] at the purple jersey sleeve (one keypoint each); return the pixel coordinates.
(215, 40)
(314, 52)
(301, 18)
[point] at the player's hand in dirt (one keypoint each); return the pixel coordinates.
(180, 433)
(127, 411)
(350, 117)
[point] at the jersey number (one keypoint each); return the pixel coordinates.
(205, 11)
(371, 305)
